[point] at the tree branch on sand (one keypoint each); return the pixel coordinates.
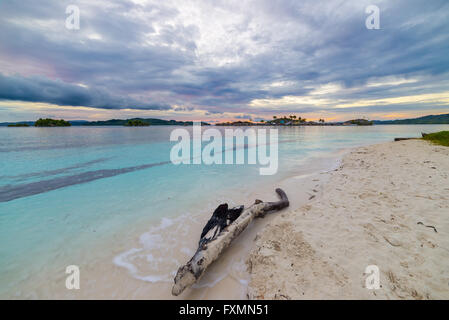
(224, 226)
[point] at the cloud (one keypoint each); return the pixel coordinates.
(37, 89)
(244, 116)
(239, 57)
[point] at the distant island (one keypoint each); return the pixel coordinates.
(358, 122)
(18, 125)
(136, 123)
(139, 122)
(276, 121)
(431, 119)
(297, 121)
(51, 123)
(127, 122)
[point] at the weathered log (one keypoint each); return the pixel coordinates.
(210, 249)
(401, 139)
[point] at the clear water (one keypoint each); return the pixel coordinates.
(63, 190)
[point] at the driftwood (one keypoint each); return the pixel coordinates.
(224, 226)
(400, 139)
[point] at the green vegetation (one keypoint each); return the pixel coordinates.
(237, 123)
(136, 123)
(284, 120)
(441, 138)
(291, 120)
(359, 122)
(432, 119)
(18, 125)
(150, 121)
(51, 123)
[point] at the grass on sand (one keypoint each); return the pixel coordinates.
(441, 138)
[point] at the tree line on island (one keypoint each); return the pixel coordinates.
(291, 120)
(294, 120)
(43, 123)
(135, 122)
(51, 123)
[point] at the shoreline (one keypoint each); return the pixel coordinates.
(128, 271)
(122, 269)
(373, 211)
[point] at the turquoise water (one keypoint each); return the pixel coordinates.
(63, 190)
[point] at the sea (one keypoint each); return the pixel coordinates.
(109, 200)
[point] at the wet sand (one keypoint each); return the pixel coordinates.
(141, 263)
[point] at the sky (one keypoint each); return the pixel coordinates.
(223, 60)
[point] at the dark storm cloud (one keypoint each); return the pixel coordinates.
(36, 89)
(158, 54)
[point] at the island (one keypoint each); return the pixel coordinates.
(291, 120)
(17, 125)
(297, 121)
(136, 123)
(358, 122)
(51, 123)
(150, 121)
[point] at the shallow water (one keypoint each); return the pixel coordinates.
(67, 192)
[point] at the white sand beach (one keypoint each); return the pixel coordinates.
(387, 205)
(367, 211)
